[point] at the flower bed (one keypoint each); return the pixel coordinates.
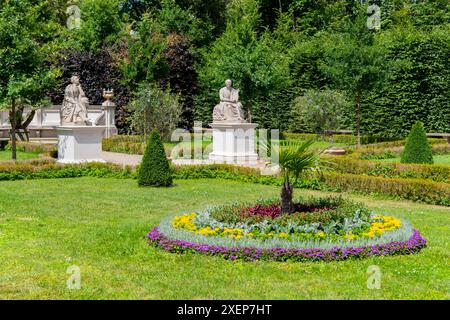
(333, 229)
(413, 245)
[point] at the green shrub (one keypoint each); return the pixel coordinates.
(417, 148)
(155, 108)
(411, 189)
(318, 111)
(438, 173)
(49, 169)
(393, 149)
(154, 169)
(338, 138)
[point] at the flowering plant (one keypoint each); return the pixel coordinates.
(413, 245)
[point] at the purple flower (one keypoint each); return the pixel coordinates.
(413, 245)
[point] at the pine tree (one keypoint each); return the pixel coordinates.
(155, 169)
(417, 148)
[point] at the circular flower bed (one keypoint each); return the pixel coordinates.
(320, 229)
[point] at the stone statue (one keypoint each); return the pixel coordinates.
(75, 104)
(229, 108)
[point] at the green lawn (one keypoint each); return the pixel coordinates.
(5, 155)
(438, 159)
(99, 225)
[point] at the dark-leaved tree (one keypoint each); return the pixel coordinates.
(182, 77)
(97, 71)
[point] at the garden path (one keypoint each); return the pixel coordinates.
(135, 159)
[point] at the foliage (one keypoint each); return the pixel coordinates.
(355, 62)
(139, 52)
(244, 56)
(417, 149)
(419, 87)
(100, 25)
(155, 108)
(181, 77)
(338, 138)
(412, 189)
(318, 111)
(438, 173)
(172, 18)
(393, 149)
(348, 221)
(294, 161)
(49, 169)
(134, 9)
(154, 169)
(136, 145)
(27, 42)
(97, 71)
(421, 190)
(308, 211)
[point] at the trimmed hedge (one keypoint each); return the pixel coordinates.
(129, 145)
(438, 173)
(47, 169)
(386, 151)
(338, 138)
(136, 145)
(411, 189)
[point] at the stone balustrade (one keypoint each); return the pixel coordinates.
(47, 119)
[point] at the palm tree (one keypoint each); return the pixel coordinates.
(294, 160)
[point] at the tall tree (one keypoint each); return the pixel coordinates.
(27, 40)
(245, 56)
(355, 62)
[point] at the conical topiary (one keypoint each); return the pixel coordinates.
(154, 169)
(417, 148)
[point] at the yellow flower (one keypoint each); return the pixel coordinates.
(283, 235)
(350, 236)
(381, 225)
(185, 221)
(321, 234)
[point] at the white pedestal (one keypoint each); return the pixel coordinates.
(233, 142)
(77, 144)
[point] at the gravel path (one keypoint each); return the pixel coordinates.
(135, 159)
(122, 158)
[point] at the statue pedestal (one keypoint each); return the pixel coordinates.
(77, 144)
(233, 142)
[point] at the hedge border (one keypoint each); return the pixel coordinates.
(421, 190)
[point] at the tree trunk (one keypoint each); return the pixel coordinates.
(287, 206)
(12, 120)
(23, 126)
(358, 119)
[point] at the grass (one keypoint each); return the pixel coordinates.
(438, 159)
(5, 155)
(98, 225)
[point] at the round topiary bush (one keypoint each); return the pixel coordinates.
(417, 148)
(154, 169)
(321, 229)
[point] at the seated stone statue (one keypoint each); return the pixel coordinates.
(75, 104)
(229, 108)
